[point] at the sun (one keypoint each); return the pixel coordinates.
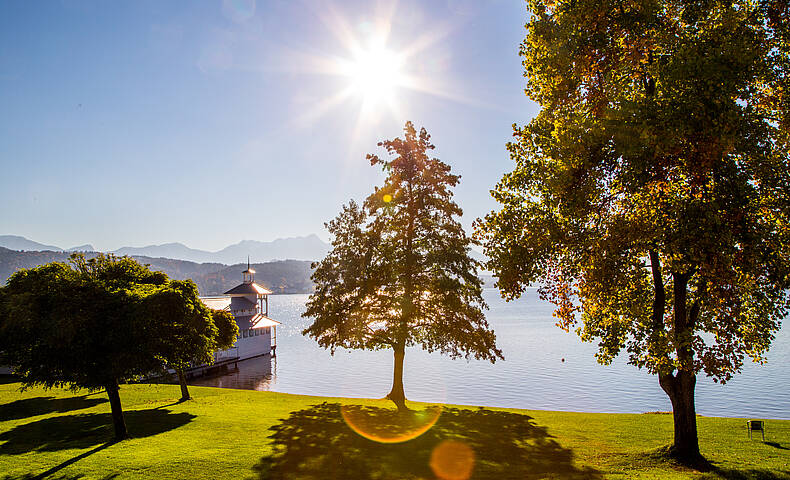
(379, 70)
(375, 74)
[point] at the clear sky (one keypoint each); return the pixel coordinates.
(206, 123)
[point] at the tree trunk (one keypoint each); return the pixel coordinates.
(397, 395)
(182, 379)
(117, 412)
(680, 386)
(680, 389)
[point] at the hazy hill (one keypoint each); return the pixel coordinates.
(176, 251)
(209, 270)
(15, 242)
(281, 276)
(309, 247)
(297, 248)
(289, 276)
(12, 260)
(82, 248)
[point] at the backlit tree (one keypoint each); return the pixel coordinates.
(650, 197)
(399, 273)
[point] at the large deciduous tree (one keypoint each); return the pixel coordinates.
(399, 273)
(96, 324)
(651, 195)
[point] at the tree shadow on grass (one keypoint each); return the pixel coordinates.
(708, 469)
(30, 476)
(31, 407)
(316, 443)
(6, 379)
(746, 474)
(86, 430)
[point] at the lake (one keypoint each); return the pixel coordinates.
(544, 368)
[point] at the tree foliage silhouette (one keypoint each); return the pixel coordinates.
(399, 273)
(98, 323)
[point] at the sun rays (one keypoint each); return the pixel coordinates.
(375, 74)
(376, 68)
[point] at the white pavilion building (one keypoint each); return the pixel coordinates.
(249, 304)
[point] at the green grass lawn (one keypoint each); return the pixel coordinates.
(244, 434)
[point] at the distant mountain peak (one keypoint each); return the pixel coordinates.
(82, 248)
(15, 242)
(308, 247)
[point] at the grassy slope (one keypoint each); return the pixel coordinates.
(246, 434)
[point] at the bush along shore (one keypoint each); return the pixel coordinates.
(225, 433)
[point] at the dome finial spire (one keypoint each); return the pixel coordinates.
(249, 274)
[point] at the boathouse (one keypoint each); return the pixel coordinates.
(249, 304)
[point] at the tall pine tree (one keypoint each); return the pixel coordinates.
(399, 273)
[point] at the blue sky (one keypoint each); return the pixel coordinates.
(206, 123)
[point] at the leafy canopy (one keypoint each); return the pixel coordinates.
(650, 197)
(399, 272)
(99, 322)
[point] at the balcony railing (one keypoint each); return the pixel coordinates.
(230, 353)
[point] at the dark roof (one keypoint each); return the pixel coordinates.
(248, 289)
(243, 303)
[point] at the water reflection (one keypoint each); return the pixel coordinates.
(258, 373)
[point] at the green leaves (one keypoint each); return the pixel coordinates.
(399, 272)
(660, 131)
(105, 320)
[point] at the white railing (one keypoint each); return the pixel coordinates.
(221, 355)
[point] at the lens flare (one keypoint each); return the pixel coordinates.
(452, 460)
(386, 424)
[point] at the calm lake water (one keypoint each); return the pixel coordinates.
(532, 376)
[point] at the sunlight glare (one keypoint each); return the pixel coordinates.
(376, 73)
(377, 69)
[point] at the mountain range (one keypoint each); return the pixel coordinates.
(282, 276)
(283, 265)
(15, 242)
(295, 248)
(309, 247)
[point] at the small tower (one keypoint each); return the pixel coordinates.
(249, 304)
(249, 274)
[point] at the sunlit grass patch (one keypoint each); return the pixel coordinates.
(241, 434)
